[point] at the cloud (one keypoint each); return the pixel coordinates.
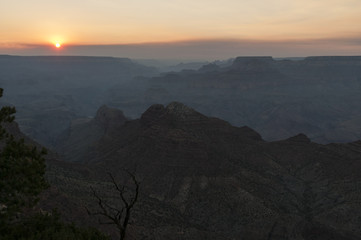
(210, 49)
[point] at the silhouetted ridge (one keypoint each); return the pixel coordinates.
(253, 58)
(259, 64)
(301, 138)
(172, 113)
(180, 110)
(209, 68)
(152, 114)
(250, 133)
(106, 115)
(84, 133)
(333, 58)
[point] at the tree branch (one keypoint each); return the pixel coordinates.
(117, 216)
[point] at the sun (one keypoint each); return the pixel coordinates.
(57, 45)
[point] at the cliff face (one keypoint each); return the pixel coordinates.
(84, 134)
(205, 179)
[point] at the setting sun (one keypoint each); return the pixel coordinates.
(57, 45)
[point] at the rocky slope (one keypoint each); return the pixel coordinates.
(202, 178)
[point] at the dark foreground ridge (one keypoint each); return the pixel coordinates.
(203, 178)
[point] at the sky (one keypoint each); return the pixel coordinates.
(202, 29)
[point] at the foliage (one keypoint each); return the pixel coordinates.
(22, 179)
(22, 170)
(49, 226)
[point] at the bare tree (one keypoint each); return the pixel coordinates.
(120, 215)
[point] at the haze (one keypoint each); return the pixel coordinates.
(184, 29)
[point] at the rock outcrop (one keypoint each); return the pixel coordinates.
(84, 134)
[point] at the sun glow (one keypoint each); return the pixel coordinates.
(57, 45)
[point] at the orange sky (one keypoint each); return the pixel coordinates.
(24, 24)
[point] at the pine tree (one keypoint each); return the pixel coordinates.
(22, 170)
(22, 179)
